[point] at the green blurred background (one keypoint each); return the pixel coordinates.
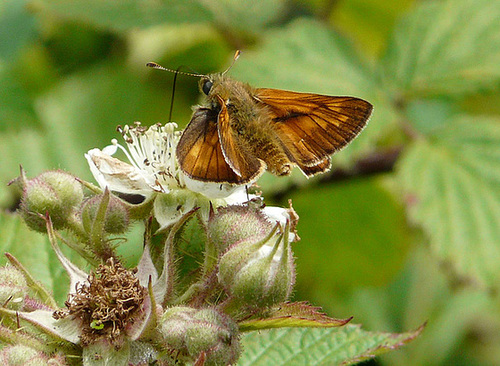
(404, 230)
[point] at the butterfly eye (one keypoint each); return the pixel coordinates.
(207, 85)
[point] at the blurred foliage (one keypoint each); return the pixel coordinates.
(419, 243)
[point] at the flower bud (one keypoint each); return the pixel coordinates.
(13, 288)
(54, 192)
(191, 331)
(116, 219)
(259, 273)
(232, 224)
(22, 355)
(104, 353)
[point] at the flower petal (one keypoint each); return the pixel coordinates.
(66, 329)
(212, 189)
(117, 175)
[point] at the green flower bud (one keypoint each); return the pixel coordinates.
(21, 356)
(232, 224)
(105, 353)
(190, 332)
(259, 273)
(13, 288)
(116, 218)
(173, 326)
(54, 192)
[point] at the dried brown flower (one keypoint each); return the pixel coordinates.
(107, 304)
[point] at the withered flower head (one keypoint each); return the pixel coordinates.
(107, 305)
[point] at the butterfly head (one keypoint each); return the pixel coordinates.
(206, 85)
(213, 84)
(207, 81)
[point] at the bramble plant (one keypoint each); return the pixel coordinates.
(403, 229)
(164, 310)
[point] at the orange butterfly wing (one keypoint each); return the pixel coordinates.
(241, 161)
(311, 126)
(200, 154)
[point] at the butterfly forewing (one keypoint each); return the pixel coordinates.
(199, 151)
(311, 126)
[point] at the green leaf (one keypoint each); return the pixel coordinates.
(421, 292)
(29, 247)
(452, 185)
(352, 234)
(292, 314)
(429, 115)
(16, 108)
(306, 56)
(368, 21)
(126, 15)
(26, 148)
(304, 346)
(446, 47)
(238, 15)
(18, 27)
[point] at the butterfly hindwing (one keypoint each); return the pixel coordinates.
(320, 167)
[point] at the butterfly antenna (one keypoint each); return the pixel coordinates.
(154, 65)
(235, 57)
(173, 94)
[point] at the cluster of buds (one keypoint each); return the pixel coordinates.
(168, 309)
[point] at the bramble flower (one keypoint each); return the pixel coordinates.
(152, 171)
(152, 165)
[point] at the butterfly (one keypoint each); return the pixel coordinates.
(243, 131)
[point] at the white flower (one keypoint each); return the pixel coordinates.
(152, 165)
(153, 170)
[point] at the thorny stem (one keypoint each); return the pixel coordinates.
(101, 247)
(77, 229)
(196, 294)
(375, 163)
(93, 188)
(82, 251)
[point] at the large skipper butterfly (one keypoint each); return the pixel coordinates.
(243, 131)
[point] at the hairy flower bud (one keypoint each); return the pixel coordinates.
(116, 220)
(232, 224)
(54, 192)
(191, 332)
(22, 355)
(259, 273)
(13, 288)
